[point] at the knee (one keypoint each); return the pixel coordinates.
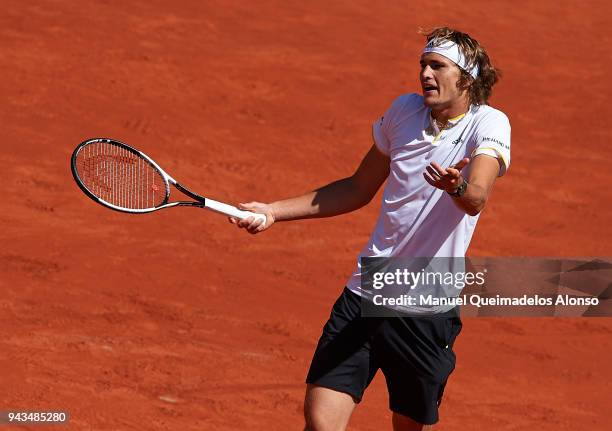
(404, 423)
(319, 420)
(327, 409)
(316, 421)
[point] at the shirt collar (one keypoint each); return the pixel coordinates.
(452, 122)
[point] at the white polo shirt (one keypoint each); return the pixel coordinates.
(417, 219)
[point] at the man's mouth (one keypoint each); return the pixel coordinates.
(429, 88)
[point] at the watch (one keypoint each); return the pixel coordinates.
(459, 191)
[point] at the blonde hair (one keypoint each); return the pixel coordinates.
(480, 88)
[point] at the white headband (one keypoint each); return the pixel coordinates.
(450, 50)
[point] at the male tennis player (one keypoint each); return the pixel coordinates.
(440, 153)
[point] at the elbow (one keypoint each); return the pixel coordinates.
(475, 200)
(476, 208)
(362, 201)
(362, 195)
(367, 198)
(474, 211)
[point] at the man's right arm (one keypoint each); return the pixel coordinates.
(338, 197)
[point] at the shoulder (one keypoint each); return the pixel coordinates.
(405, 105)
(488, 115)
(409, 101)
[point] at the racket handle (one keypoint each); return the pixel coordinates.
(231, 210)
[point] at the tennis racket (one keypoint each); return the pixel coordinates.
(124, 179)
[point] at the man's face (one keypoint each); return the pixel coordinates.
(439, 77)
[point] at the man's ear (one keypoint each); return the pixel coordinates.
(465, 81)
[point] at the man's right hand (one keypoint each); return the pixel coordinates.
(250, 224)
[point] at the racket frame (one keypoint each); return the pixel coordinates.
(199, 201)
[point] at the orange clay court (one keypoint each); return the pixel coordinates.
(177, 320)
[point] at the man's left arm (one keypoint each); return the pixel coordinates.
(469, 194)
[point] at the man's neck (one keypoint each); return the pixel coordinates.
(443, 115)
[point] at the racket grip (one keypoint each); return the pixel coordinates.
(232, 211)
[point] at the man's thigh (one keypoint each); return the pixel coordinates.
(416, 357)
(342, 360)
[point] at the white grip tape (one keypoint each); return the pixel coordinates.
(231, 210)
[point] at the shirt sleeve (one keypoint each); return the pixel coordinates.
(380, 136)
(493, 138)
(382, 129)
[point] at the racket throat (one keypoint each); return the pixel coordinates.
(201, 199)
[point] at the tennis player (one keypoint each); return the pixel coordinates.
(440, 152)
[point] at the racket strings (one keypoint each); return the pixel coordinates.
(120, 177)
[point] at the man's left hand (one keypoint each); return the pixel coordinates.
(445, 179)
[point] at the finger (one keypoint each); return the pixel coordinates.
(441, 171)
(430, 180)
(232, 220)
(255, 224)
(462, 163)
(255, 227)
(245, 222)
(453, 173)
(432, 172)
(256, 230)
(248, 205)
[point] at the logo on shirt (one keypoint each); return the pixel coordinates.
(496, 141)
(457, 141)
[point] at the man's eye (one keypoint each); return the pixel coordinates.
(434, 66)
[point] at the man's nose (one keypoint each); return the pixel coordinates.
(426, 72)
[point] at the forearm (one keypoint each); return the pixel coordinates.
(336, 198)
(473, 201)
(471, 194)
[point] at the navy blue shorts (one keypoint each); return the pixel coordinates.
(414, 353)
